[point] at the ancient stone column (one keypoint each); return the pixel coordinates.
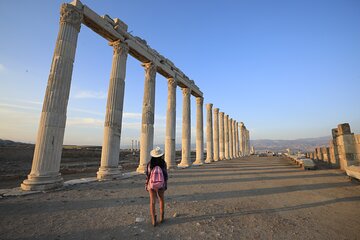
(230, 139)
(247, 142)
(148, 111)
(242, 139)
(199, 132)
(234, 138)
(226, 131)
(216, 134)
(237, 139)
(221, 136)
(209, 134)
(109, 167)
(170, 125)
(47, 155)
(186, 130)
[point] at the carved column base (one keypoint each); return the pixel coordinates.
(209, 161)
(198, 163)
(42, 183)
(183, 165)
(108, 173)
(141, 168)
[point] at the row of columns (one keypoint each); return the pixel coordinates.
(223, 138)
(222, 134)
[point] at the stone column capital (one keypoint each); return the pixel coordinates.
(186, 92)
(150, 70)
(221, 114)
(172, 82)
(120, 48)
(71, 15)
(209, 106)
(216, 110)
(200, 100)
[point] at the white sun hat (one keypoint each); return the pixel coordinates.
(156, 152)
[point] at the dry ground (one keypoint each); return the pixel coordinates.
(247, 198)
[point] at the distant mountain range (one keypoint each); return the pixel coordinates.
(4, 143)
(304, 144)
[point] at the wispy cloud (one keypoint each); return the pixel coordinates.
(84, 122)
(130, 115)
(15, 106)
(2, 68)
(90, 94)
(86, 111)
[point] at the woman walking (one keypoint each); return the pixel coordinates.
(156, 182)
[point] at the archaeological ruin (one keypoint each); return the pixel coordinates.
(225, 137)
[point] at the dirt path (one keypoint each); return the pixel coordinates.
(248, 198)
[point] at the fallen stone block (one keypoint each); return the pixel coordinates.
(308, 164)
(353, 171)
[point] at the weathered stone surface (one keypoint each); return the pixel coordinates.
(47, 155)
(226, 131)
(216, 134)
(170, 125)
(186, 130)
(221, 136)
(114, 109)
(148, 112)
(209, 134)
(199, 132)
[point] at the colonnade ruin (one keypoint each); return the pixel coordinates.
(343, 151)
(226, 138)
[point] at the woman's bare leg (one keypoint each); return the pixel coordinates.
(162, 203)
(152, 194)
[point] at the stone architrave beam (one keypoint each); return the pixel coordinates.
(115, 29)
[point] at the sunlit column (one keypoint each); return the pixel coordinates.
(237, 139)
(47, 155)
(221, 136)
(226, 130)
(233, 132)
(186, 130)
(216, 134)
(230, 139)
(242, 139)
(109, 167)
(170, 124)
(209, 134)
(199, 132)
(148, 111)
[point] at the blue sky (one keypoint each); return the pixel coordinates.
(287, 69)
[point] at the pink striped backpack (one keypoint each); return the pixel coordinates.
(156, 180)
